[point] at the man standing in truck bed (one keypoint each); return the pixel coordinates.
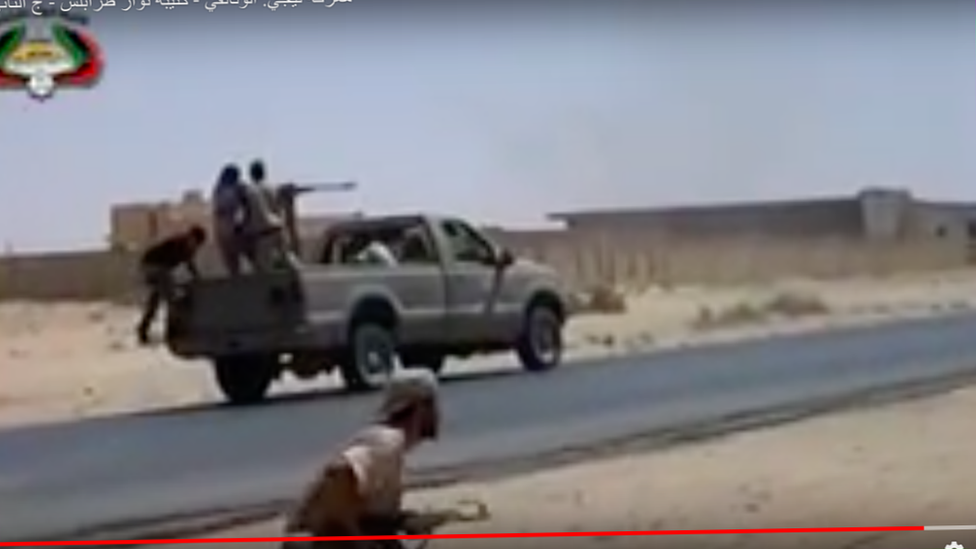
(228, 202)
(264, 226)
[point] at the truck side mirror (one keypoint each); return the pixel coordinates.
(505, 258)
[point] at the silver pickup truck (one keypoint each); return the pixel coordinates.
(450, 291)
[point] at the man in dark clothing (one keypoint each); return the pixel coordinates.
(229, 208)
(157, 266)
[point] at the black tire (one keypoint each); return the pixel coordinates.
(245, 380)
(540, 344)
(369, 342)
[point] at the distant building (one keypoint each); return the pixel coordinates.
(819, 217)
(872, 213)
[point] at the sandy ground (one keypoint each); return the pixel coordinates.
(903, 464)
(60, 362)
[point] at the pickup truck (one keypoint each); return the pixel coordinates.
(449, 292)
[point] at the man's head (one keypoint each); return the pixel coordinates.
(229, 175)
(411, 403)
(197, 235)
(257, 171)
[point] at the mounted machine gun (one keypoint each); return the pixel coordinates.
(286, 198)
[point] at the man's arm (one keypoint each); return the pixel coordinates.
(425, 522)
(191, 266)
(188, 253)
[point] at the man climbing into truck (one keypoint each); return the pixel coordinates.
(158, 265)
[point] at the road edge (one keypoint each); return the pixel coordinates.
(200, 523)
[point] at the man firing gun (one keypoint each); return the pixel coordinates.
(265, 230)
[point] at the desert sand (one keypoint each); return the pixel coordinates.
(901, 464)
(68, 361)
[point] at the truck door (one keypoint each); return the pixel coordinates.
(476, 308)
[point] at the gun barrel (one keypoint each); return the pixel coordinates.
(342, 186)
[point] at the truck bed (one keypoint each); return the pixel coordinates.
(236, 313)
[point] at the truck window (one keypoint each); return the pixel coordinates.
(408, 243)
(466, 244)
(415, 247)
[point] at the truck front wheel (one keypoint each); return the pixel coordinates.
(244, 379)
(540, 344)
(371, 356)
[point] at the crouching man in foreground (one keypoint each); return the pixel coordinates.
(360, 490)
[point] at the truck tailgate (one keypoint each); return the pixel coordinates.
(215, 310)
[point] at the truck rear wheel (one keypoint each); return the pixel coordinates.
(245, 379)
(540, 345)
(371, 358)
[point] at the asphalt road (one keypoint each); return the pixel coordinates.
(57, 479)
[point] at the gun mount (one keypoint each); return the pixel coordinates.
(286, 196)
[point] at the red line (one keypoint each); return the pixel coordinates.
(474, 536)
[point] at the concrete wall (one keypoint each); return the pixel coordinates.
(874, 213)
(885, 213)
(94, 275)
(586, 262)
(943, 221)
(841, 217)
(873, 234)
(639, 262)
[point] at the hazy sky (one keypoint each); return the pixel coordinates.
(504, 112)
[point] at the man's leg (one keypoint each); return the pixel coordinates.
(159, 284)
(149, 310)
(338, 544)
(341, 544)
(271, 253)
(246, 247)
(230, 253)
(167, 291)
(262, 252)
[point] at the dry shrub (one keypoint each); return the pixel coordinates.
(602, 340)
(576, 302)
(783, 305)
(602, 300)
(795, 305)
(743, 313)
(734, 315)
(957, 306)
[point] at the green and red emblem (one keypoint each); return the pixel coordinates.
(40, 56)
